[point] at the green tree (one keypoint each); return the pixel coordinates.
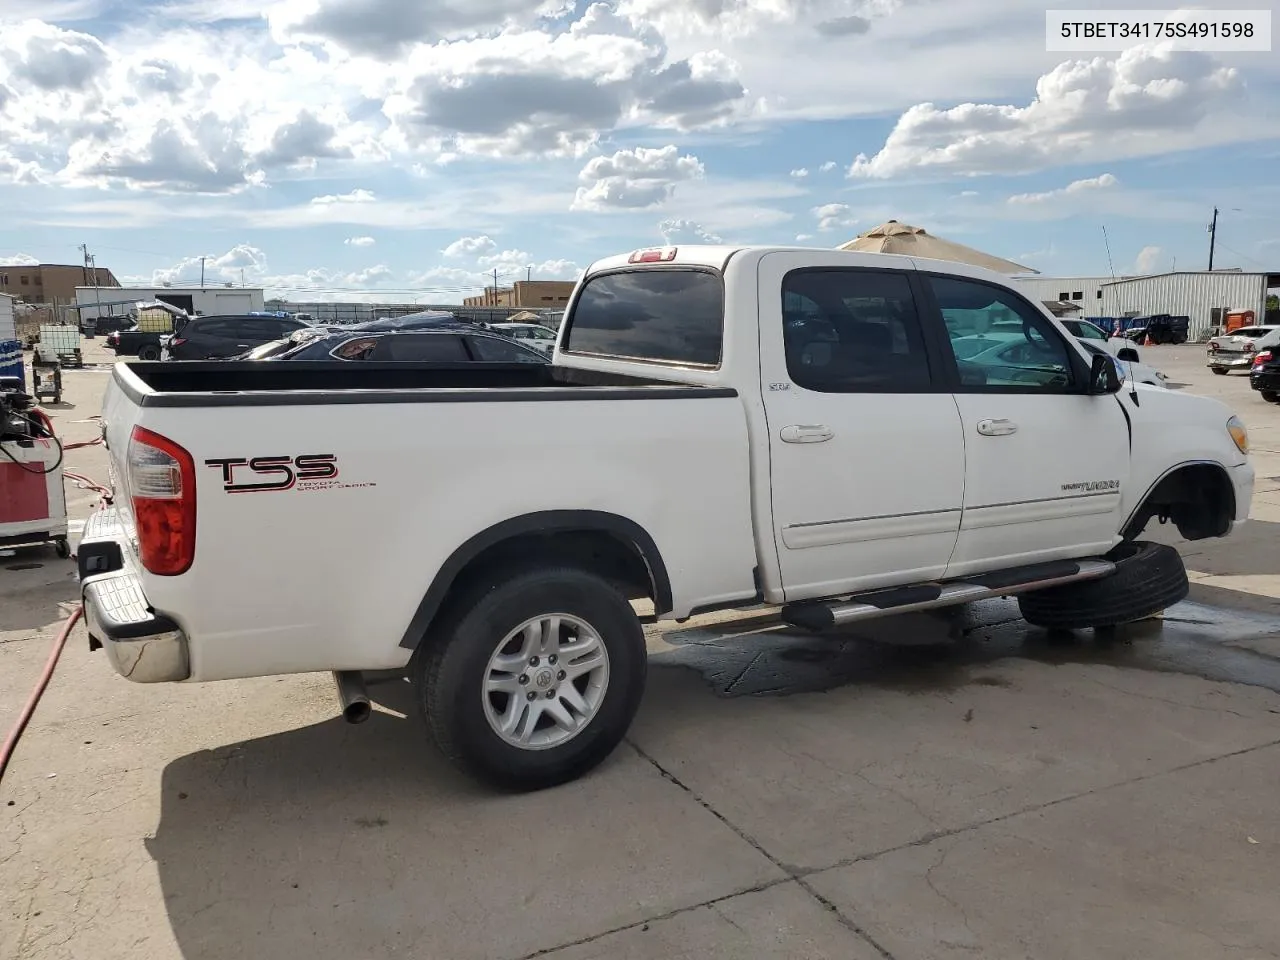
(1273, 302)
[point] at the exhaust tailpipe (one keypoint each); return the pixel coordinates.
(352, 696)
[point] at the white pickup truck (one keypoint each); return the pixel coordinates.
(721, 427)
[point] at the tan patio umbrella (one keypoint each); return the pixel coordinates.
(895, 237)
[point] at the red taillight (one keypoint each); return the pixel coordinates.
(657, 255)
(162, 486)
(176, 341)
(1262, 358)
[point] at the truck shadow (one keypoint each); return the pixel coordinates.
(335, 841)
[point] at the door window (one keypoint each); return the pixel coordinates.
(493, 350)
(853, 331)
(420, 347)
(1001, 343)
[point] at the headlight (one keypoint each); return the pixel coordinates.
(1236, 427)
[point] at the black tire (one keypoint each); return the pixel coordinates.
(1219, 371)
(1149, 578)
(1270, 396)
(62, 548)
(149, 352)
(449, 671)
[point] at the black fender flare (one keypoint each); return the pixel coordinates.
(544, 521)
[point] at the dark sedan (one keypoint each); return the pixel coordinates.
(458, 343)
(1264, 375)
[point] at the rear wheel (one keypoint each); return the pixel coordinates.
(533, 677)
(149, 352)
(1270, 396)
(1149, 578)
(1219, 371)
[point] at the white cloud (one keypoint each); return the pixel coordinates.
(800, 174)
(18, 260)
(1147, 100)
(686, 232)
(1101, 182)
(360, 241)
(827, 166)
(803, 237)
(241, 260)
(470, 247)
(358, 195)
(832, 216)
(1147, 261)
(634, 179)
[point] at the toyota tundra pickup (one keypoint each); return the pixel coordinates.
(820, 430)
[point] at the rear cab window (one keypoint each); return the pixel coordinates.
(669, 315)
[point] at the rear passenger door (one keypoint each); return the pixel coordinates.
(1045, 461)
(866, 446)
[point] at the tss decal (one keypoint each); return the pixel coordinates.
(308, 471)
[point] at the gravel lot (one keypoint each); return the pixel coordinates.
(780, 796)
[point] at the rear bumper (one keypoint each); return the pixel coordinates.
(143, 646)
(1231, 361)
(1265, 380)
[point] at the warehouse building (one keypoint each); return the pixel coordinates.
(1204, 297)
(1084, 292)
(100, 301)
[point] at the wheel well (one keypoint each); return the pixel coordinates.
(605, 544)
(1198, 498)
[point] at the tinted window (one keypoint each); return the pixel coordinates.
(493, 350)
(853, 331)
(1034, 358)
(212, 328)
(420, 347)
(1086, 331)
(665, 315)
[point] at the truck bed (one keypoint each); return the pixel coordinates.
(230, 383)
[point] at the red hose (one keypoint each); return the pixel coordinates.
(11, 741)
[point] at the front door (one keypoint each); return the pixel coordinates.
(1046, 463)
(866, 447)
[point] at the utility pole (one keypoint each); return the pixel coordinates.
(495, 287)
(1213, 236)
(84, 250)
(529, 274)
(97, 294)
(242, 278)
(202, 260)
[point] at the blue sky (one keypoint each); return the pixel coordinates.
(404, 149)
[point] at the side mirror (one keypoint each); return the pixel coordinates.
(1103, 377)
(1127, 354)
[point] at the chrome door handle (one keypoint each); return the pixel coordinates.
(806, 433)
(997, 428)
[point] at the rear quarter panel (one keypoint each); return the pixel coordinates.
(328, 575)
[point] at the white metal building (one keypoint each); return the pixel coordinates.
(7, 329)
(1204, 297)
(1085, 292)
(205, 300)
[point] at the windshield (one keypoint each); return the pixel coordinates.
(1252, 332)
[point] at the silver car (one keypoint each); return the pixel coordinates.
(1236, 350)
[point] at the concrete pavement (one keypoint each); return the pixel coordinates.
(780, 796)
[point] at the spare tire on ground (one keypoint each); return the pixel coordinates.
(1148, 579)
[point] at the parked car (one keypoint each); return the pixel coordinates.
(1235, 351)
(1086, 331)
(425, 320)
(460, 343)
(219, 337)
(531, 334)
(1128, 369)
(1161, 328)
(687, 446)
(1264, 375)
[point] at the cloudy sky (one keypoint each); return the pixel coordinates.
(407, 148)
